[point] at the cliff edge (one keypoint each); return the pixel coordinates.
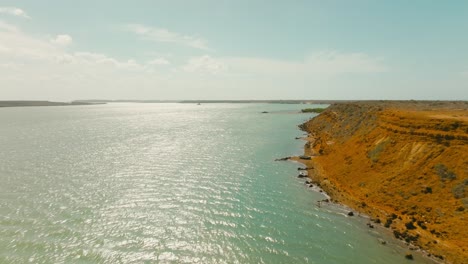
(405, 164)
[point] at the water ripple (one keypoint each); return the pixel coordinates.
(167, 183)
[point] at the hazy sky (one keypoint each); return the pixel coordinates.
(200, 49)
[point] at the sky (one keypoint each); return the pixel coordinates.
(67, 50)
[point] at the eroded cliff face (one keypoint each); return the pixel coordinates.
(405, 164)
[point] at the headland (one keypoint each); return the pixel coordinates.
(403, 163)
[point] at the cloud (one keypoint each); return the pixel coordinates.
(14, 11)
(34, 67)
(325, 63)
(205, 64)
(7, 27)
(164, 35)
(158, 61)
(320, 64)
(62, 40)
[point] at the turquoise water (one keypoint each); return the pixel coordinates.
(167, 183)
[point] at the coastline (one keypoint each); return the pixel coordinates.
(331, 193)
(321, 144)
(42, 103)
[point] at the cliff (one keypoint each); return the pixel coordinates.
(405, 164)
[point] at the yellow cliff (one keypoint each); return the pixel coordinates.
(405, 164)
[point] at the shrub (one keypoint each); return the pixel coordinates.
(444, 172)
(375, 152)
(410, 225)
(313, 110)
(459, 189)
(427, 190)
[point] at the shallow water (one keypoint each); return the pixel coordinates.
(167, 183)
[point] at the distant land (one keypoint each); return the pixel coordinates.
(214, 101)
(18, 103)
(40, 103)
(292, 101)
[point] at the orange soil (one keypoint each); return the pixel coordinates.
(407, 159)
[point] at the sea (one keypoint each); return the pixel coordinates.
(169, 183)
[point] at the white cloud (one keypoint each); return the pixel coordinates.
(62, 40)
(35, 68)
(326, 63)
(164, 35)
(7, 27)
(321, 64)
(14, 11)
(159, 61)
(204, 64)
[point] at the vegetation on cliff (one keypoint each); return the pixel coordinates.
(403, 163)
(313, 110)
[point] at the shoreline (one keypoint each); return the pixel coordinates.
(344, 177)
(41, 103)
(324, 189)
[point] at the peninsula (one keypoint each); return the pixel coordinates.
(405, 164)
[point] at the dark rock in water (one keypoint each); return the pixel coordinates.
(281, 159)
(370, 225)
(297, 138)
(350, 214)
(383, 242)
(305, 157)
(302, 175)
(409, 256)
(301, 169)
(264, 112)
